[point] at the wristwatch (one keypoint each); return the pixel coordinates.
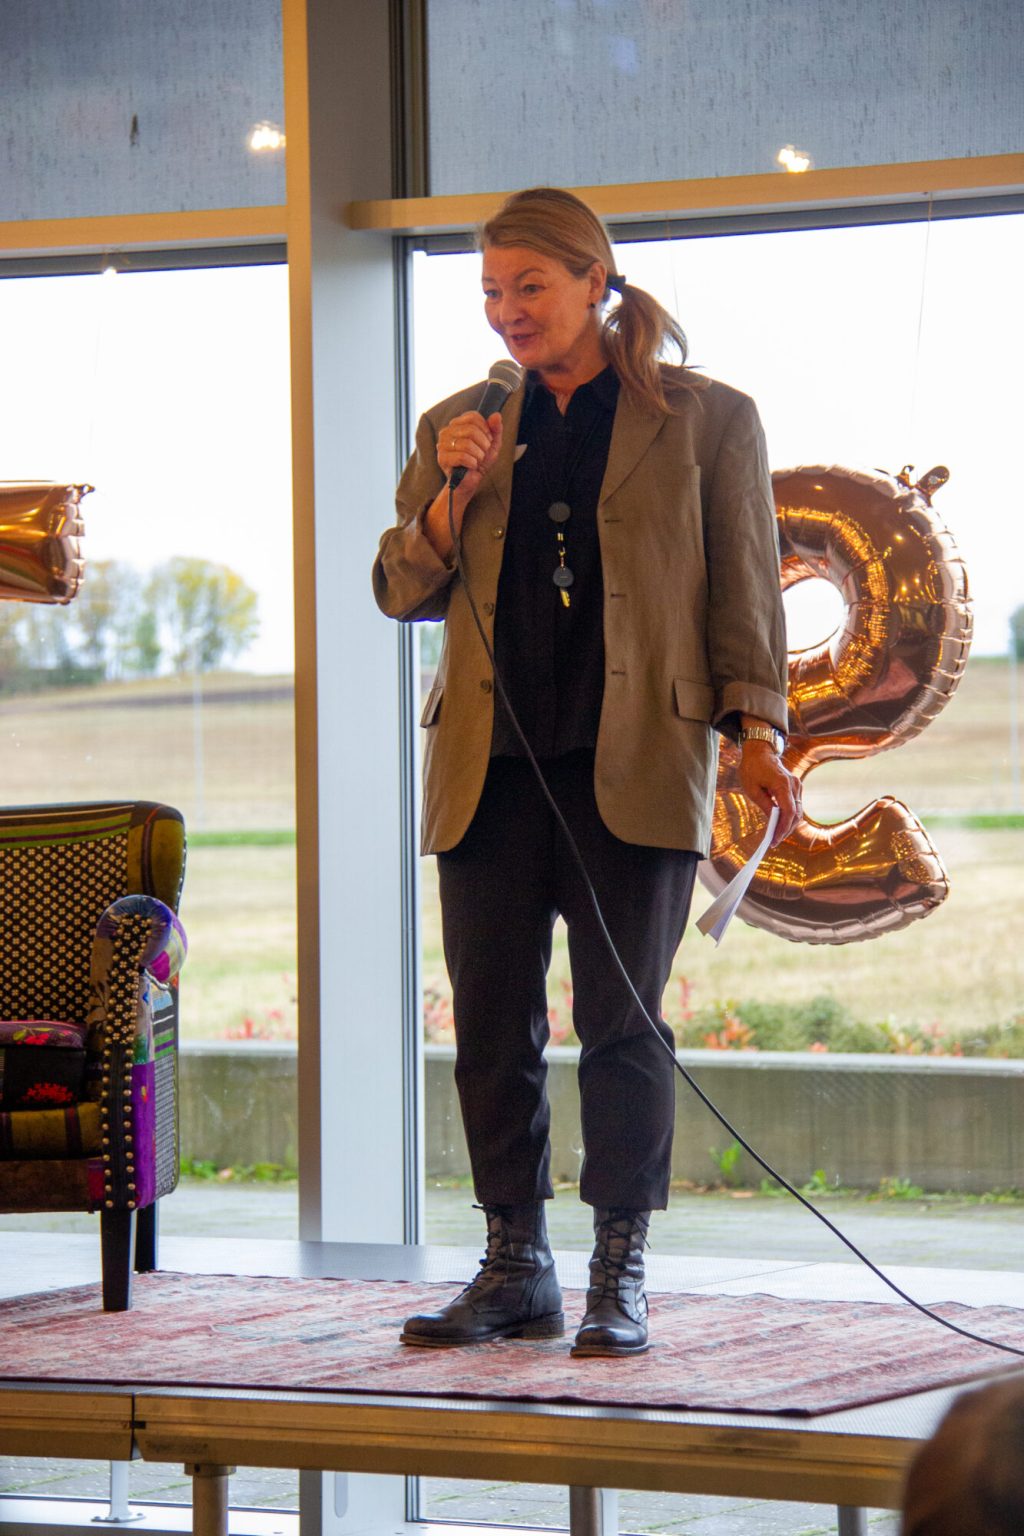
(768, 733)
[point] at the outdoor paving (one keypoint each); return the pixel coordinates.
(950, 1234)
(945, 1233)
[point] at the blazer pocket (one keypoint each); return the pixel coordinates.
(694, 701)
(432, 707)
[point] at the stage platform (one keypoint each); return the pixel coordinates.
(853, 1460)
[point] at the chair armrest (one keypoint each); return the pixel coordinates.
(139, 947)
(164, 950)
(135, 936)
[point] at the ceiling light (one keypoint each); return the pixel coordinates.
(265, 136)
(793, 159)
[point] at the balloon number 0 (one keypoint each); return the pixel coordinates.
(876, 682)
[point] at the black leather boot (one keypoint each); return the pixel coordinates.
(515, 1295)
(616, 1316)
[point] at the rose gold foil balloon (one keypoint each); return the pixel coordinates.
(40, 526)
(887, 671)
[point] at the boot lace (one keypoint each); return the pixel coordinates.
(497, 1256)
(613, 1249)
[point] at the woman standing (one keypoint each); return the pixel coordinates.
(618, 535)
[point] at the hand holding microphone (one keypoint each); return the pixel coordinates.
(467, 447)
(469, 444)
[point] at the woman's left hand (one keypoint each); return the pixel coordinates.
(767, 781)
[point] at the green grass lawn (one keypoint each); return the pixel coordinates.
(960, 762)
(960, 968)
(229, 767)
(227, 764)
(239, 912)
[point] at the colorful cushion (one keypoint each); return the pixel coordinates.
(42, 1064)
(72, 1132)
(53, 1183)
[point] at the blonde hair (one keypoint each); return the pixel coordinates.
(636, 332)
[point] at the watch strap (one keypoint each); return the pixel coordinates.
(768, 733)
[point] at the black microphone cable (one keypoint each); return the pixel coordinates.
(687, 1077)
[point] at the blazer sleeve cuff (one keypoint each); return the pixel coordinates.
(737, 699)
(418, 556)
(410, 579)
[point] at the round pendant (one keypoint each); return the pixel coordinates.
(563, 577)
(559, 511)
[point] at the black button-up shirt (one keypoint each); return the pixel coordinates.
(550, 657)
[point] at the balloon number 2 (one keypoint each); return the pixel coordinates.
(876, 682)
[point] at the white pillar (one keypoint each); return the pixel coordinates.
(360, 1070)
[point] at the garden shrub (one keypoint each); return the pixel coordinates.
(825, 1024)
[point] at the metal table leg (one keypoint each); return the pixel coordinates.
(209, 1497)
(593, 1512)
(852, 1521)
(120, 1511)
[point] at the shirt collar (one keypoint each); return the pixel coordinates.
(604, 387)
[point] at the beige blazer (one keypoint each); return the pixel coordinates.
(693, 622)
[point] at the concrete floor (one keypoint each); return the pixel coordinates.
(535, 1506)
(938, 1233)
(944, 1233)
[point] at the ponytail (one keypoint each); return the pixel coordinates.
(635, 335)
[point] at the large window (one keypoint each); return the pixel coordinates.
(170, 677)
(867, 347)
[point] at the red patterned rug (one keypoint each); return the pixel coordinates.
(721, 1353)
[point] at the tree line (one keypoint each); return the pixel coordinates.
(187, 615)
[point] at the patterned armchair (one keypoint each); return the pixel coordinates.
(90, 946)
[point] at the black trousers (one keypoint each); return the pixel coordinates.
(501, 890)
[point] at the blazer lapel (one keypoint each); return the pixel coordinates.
(633, 433)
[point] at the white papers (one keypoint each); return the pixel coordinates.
(716, 919)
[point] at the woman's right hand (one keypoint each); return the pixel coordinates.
(472, 443)
(469, 442)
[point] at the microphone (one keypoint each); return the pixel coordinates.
(503, 380)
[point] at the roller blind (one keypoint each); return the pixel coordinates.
(587, 92)
(138, 106)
